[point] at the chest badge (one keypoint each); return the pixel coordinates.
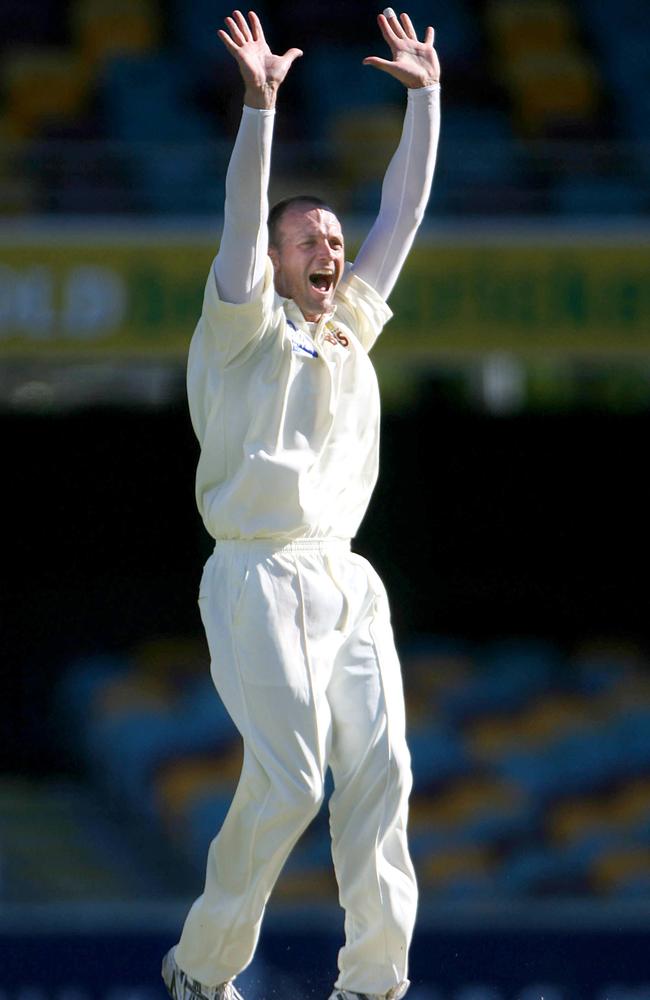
(335, 336)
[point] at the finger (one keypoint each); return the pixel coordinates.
(228, 42)
(392, 22)
(384, 64)
(292, 54)
(389, 36)
(429, 35)
(408, 26)
(256, 27)
(242, 24)
(383, 26)
(235, 32)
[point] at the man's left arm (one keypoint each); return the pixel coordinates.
(407, 183)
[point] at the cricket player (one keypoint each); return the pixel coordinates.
(284, 401)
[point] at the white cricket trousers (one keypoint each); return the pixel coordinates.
(304, 660)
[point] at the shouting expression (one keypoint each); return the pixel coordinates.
(308, 259)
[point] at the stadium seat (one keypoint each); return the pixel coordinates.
(600, 196)
(537, 725)
(599, 671)
(202, 821)
(431, 666)
(538, 870)
(479, 166)
(536, 26)
(437, 755)
(146, 99)
(76, 694)
(457, 36)
(184, 779)
(130, 748)
(106, 28)
(553, 92)
(457, 871)
(363, 140)
(625, 868)
(42, 87)
(360, 91)
(507, 677)
(184, 178)
(472, 802)
(193, 28)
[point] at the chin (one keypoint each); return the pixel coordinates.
(315, 309)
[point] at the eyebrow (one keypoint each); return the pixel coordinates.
(320, 232)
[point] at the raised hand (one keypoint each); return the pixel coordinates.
(262, 71)
(414, 63)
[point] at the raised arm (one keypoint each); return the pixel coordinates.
(407, 183)
(240, 263)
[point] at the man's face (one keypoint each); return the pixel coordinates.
(308, 262)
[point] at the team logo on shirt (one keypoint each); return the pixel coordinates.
(335, 336)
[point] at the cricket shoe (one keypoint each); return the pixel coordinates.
(181, 987)
(396, 993)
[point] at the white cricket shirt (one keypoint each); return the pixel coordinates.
(286, 413)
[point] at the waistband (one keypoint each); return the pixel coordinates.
(268, 546)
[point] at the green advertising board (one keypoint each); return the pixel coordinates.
(138, 294)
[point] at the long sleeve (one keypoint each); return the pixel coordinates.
(239, 266)
(405, 192)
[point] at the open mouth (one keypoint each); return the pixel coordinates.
(322, 280)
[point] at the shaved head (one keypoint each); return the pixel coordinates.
(299, 201)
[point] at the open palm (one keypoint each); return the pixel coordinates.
(414, 63)
(246, 42)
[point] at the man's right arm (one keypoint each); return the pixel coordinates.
(240, 264)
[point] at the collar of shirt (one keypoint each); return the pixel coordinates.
(315, 330)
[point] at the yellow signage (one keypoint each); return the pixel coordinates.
(551, 299)
(140, 297)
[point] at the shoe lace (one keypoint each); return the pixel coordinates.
(229, 992)
(396, 993)
(193, 990)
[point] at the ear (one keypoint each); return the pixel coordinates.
(275, 258)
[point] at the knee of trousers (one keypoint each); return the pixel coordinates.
(298, 799)
(289, 791)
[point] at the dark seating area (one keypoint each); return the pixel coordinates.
(114, 108)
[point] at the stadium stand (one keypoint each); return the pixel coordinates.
(129, 107)
(531, 767)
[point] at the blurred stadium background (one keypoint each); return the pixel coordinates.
(510, 522)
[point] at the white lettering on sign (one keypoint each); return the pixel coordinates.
(91, 303)
(94, 302)
(27, 303)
